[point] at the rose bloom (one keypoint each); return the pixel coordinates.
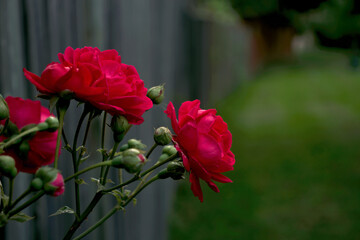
(97, 77)
(42, 145)
(56, 187)
(203, 140)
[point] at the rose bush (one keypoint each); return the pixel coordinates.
(203, 141)
(41, 147)
(97, 77)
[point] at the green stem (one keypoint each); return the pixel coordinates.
(122, 184)
(60, 130)
(78, 221)
(75, 162)
(121, 178)
(151, 149)
(17, 137)
(103, 142)
(103, 131)
(136, 192)
(115, 209)
(158, 164)
(113, 151)
(11, 191)
(136, 177)
(22, 196)
(101, 164)
(101, 221)
(27, 203)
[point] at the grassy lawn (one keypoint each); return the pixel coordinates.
(296, 138)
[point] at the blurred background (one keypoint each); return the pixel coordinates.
(283, 74)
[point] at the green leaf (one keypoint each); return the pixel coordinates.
(53, 100)
(3, 197)
(118, 195)
(100, 187)
(84, 159)
(80, 181)
(3, 219)
(63, 210)
(21, 217)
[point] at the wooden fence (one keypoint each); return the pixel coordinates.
(163, 40)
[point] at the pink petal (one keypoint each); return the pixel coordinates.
(220, 178)
(170, 112)
(195, 187)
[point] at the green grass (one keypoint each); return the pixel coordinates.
(296, 138)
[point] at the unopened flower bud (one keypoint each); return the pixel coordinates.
(131, 160)
(55, 187)
(4, 109)
(24, 149)
(37, 184)
(27, 127)
(124, 147)
(134, 143)
(156, 94)
(176, 170)
(119, 126)
(53, 181)
(163, 174)
(46, 174)
(163, 157)
(7, 166)
(11, 129)
(43, 126)
(53, 124)
(162, 136)
(169, 150)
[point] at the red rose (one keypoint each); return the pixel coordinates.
(42, 145)
(56, 187)
(203, 141)
(97, 77)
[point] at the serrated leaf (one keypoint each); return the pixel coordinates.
(118, 195)
(63, 210)
(52, 102)
(100, 187)
(84, 159)
(21, 217)
(80, 181)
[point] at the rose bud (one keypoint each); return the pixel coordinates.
(11, 129)
(53, 124)
(7, 166)
(4, 109)
(169, 150)
(162, 136)
(134, 143)
(24, 149)
(53, 181)
(131, 160)
(163, 157)
(46, 174)
(55, 187)
(176, 170)
(36, 184)
(119, 126)
(156, 94)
